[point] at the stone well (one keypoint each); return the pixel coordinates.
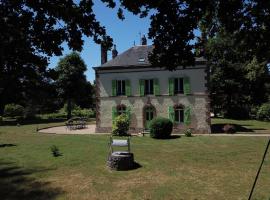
(120, 160)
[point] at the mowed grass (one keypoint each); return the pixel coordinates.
(251, 126)
(199, 167)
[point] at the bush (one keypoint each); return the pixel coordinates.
(87, 113)
(229, 128)
(161, 128)
(55, 151)
(54, 116)
(13, 110)
(264, 112)
(1, 119)
(188, 132)
(121, 125)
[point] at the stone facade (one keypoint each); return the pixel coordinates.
(198, 103)
(197, 100)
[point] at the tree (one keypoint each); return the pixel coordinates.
(32, 31)
(237, 82)
(71, 81)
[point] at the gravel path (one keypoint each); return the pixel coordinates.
(90, 129)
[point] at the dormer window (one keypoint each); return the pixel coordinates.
(141, 60)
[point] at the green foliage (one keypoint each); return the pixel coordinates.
(264, 112)
(71, 81)
(120, 125)
(55, 151)
(86, 113)
(1, 119)
(188, 132)
(161, 128)
(57, 115)
(13, 110)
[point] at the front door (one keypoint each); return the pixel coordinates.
(149, 115)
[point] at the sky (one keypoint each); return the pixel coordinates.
(124, 33)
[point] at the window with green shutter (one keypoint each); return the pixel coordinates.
(113, 87)
(141, 87)
(171, 86)
(186, 86)
(187, 115)
(156, 87)
(171, 113)
(114, 113)
(128, 88)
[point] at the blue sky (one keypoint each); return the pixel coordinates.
(124, 33)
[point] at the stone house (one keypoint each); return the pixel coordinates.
(128, 83)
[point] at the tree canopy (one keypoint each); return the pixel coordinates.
(32, 31)
(71, 81)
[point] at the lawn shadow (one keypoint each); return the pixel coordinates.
(18, 183)
(7, 145)
(136, 165)
(170, 137)
(14, 122)
(218, 128)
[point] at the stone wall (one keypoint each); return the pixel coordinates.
(198, 103)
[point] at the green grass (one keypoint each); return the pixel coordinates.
(199, 167)
(252, 126)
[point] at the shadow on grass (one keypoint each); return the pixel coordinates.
(169, 138)
(13, 122)
(218, 128)
(136, 165)
(7, 145)
(18, 183)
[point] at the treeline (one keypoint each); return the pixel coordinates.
(57, 91)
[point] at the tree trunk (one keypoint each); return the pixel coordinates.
(68, 108)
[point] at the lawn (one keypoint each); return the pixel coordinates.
(242, 126)
(199, 167)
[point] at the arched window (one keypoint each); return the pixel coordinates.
(179, 114)
(121, 109)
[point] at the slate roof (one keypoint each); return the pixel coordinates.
(134, 56)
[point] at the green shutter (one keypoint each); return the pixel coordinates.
(113, 87)
(128, 88)
(114, 113)
(128, 112)
(156, 87)
(186, 85)
(171, 86)
(187, 115)
(141, 87)
(171, 113)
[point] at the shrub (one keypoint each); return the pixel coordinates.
(13, 110)
(121, 125)
(229, 128)
(87, 113)
(54, 116)
(161, 128)
(55, 151)
(264, 112)
(1, 119)
(188, 132)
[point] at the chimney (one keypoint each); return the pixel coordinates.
(103, 54)
(114, 52)
(143, 40)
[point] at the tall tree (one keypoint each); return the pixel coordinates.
(71, 81)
